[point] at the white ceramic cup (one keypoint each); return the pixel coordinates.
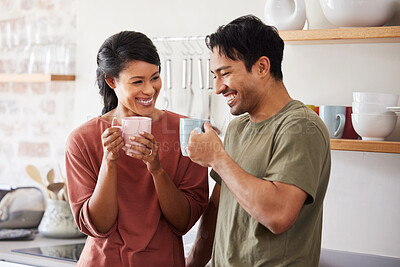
(334, 118)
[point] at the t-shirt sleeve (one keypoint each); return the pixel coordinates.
(81, 181)
(194, 186)
(299, 152)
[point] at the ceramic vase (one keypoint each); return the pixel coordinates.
(285, 14)
(57, 221)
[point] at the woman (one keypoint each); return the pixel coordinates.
(133, 207)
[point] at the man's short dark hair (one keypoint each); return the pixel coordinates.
(247, 38)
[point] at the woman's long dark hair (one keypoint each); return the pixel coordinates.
(115, 53)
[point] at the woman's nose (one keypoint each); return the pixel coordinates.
(148, 89)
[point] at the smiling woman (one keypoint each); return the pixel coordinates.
(137, 89)
(134, 207)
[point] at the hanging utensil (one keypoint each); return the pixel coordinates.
(201, 83)
(166, 101)
(169, 79)
(200, 72)
(209, 87)
(184, 83)
(190, 82)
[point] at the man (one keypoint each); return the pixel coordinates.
(272, 170)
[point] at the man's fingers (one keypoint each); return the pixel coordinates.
(195, 131)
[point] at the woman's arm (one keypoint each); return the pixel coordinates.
(174, 205)
(103, 205)
(200, 254)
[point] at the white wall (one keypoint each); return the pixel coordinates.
(361, 205)
(361, 211)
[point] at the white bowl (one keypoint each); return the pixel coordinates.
(370, 108)
(358, 13)
(390, 100)
(372, 126)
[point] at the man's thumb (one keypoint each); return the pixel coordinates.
(207, 127)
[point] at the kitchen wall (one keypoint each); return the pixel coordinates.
(35, 117)
(361, 207)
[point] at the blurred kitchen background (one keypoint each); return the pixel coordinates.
(361, 207)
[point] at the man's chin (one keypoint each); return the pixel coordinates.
(236, 112)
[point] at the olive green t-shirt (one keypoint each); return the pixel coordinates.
(291, 147)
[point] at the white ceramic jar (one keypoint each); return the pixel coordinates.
(285, 14)
(57, 221)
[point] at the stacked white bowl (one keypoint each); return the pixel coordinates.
(370, 118)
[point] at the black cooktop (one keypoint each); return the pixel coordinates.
(61, 252)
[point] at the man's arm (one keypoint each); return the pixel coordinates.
(275, 205)
(201, 251)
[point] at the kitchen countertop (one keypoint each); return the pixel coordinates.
(39, 241)
(329, 258)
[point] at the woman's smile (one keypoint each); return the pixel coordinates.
(145, 101)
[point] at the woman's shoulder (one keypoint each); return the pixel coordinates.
(171, 117)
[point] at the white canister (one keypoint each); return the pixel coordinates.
(285, 14)
(57, 221)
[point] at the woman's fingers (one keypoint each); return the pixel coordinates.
(144, 150)
(146, 139)
(110, 137)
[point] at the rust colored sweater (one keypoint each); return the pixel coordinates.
(141, 235)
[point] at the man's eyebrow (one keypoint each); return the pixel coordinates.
(221, 68)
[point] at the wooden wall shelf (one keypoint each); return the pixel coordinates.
(389, 34)
(35, 77)
(365, 146)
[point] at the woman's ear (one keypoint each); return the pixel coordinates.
(263, 65)
(110, 81)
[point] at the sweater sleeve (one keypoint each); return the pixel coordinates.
(81, 181)
(194, 185)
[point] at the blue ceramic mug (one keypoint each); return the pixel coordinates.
(186, 126)
(334, 118)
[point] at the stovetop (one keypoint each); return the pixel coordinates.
(61, 252)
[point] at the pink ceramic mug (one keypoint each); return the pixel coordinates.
(131, 126)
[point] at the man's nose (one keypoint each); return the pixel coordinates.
(220, 86)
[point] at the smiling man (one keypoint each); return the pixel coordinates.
(273, 169)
